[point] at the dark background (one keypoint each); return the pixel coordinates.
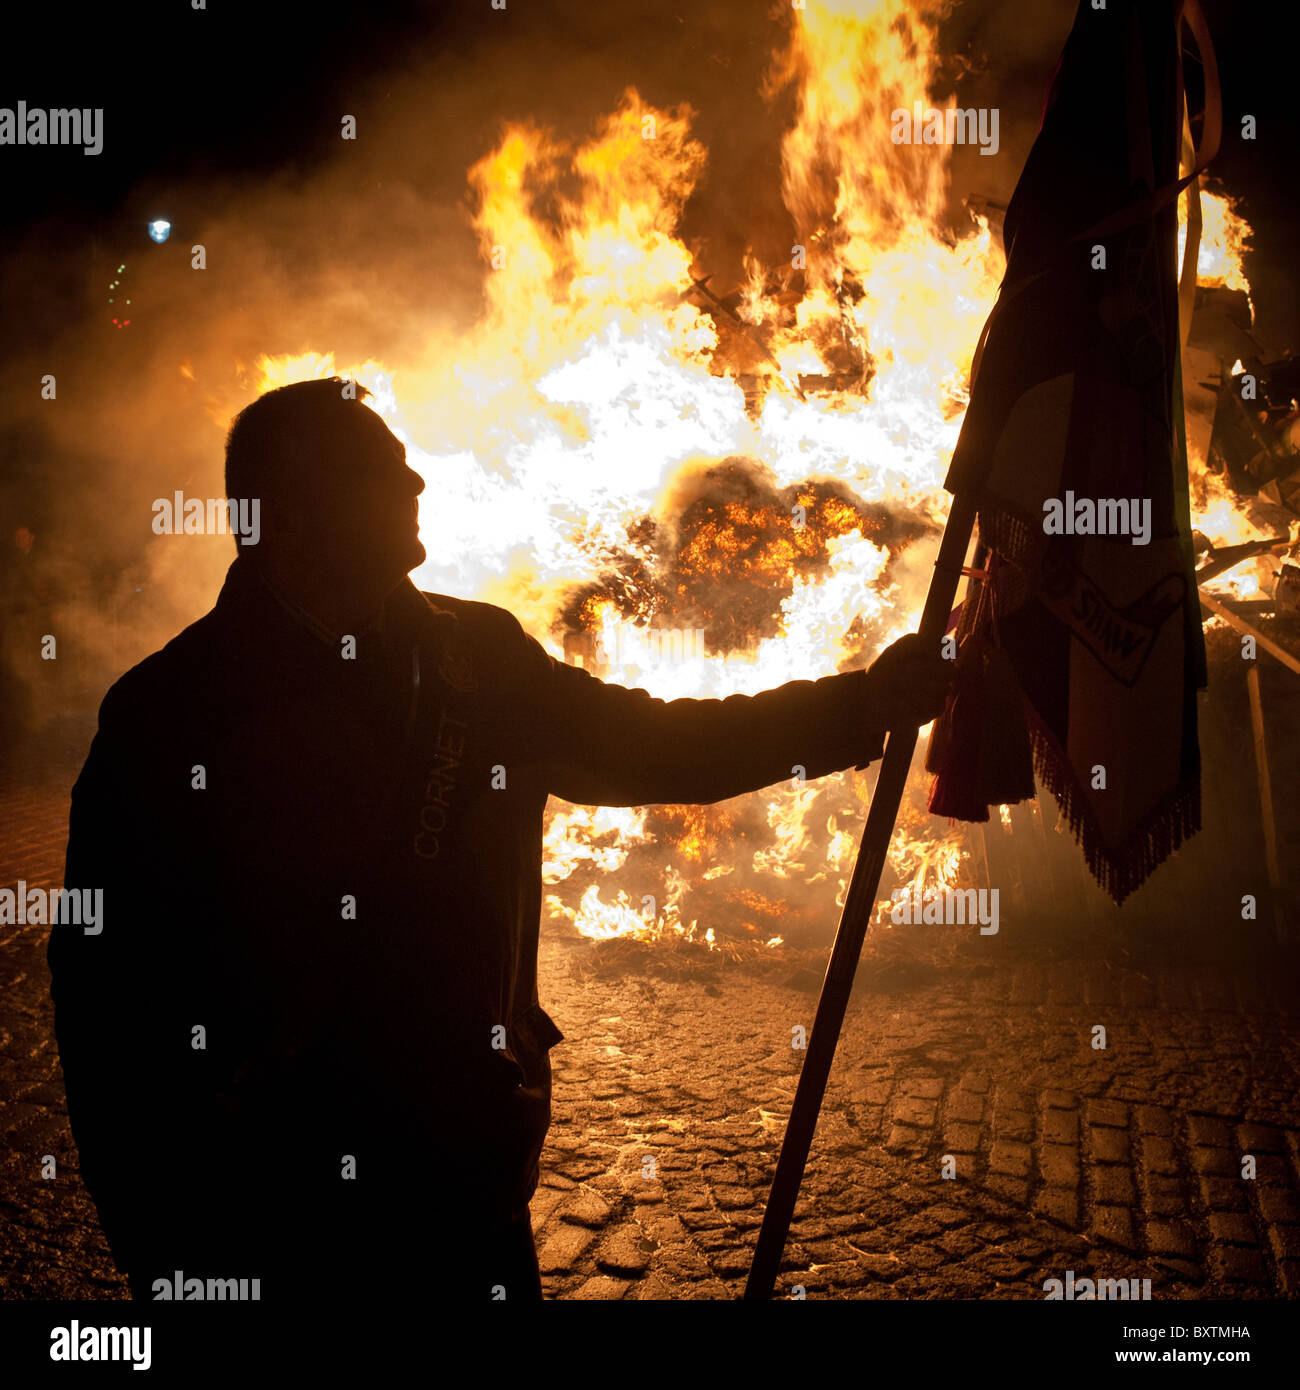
(245, 92)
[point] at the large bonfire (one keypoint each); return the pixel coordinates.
(704, 497)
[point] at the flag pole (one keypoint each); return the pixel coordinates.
(854, 920)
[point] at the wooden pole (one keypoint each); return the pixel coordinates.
(1265, 799)
(1221, 610)
(859, 906)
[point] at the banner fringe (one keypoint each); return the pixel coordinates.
(1119, 870)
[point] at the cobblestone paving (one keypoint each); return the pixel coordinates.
(1124, 1163)
(50, 1242)
(671, 1097)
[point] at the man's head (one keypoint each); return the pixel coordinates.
(337, 500)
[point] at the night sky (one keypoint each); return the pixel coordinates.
(244, 92)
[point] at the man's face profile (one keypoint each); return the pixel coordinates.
(370, 505)
(353, 514)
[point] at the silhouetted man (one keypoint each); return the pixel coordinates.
(306, 1046)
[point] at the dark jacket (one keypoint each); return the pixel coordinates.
(405, 1031)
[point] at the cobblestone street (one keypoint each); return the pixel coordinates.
(671, 1097)
(1124, 1163)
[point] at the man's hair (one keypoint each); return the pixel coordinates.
(273, 442)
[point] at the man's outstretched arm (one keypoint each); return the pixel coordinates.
(608, 745)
